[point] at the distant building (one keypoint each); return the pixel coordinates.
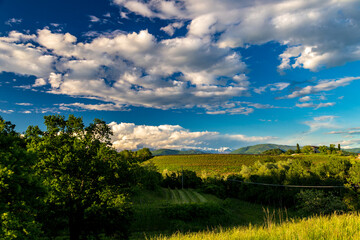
(315, 149)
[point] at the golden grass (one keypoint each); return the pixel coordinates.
(344, 227)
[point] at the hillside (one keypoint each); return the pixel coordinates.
(163, 152)
(259, 148)
(353, 150)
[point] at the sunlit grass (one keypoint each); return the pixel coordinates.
(345, 227)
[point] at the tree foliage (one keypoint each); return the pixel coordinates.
(88, 181)
(21, 191)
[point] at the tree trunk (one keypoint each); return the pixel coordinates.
(75, 222)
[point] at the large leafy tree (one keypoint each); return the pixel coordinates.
(21, 191)
(88, 180)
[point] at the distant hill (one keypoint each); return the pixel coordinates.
(162, 152)
(257, 149)
(353, 150)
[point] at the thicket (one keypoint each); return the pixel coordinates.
(67, 181)
(250, 185)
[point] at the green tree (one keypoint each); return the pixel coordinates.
(143, 154)
(298, 148)
(21, 191)
(323, 149)
(307, 149)
(332, 148)
(88, 180)
(290, 152)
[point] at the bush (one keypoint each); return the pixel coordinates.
(192, 211)
(319, 202)
(187, 177)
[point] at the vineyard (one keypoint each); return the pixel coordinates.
(223, 164)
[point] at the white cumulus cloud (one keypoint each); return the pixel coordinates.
(317, 32)
(132, 136)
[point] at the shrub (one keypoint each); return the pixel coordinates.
(191, 211)
(319, 202)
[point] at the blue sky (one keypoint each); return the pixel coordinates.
(206, 74)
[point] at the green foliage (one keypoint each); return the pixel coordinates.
(179, 179)
(274, 151)
(290, 152)
(88, 181)
(323, 149)
(20, 190)
(148, 176)
(143, 154)
(307, 149)
(191, 211)
(319, 202)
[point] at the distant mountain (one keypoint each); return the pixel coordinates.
(162, 152)
(257, 149)
(352, 150)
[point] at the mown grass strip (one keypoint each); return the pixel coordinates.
(183, 197)
(167, 194)
(190, 196)
(198, 196)
(195, 198)
(175, 196)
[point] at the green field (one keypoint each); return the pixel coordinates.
(345, 227)
(223, 164)
(151, 220)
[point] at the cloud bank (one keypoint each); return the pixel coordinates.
(317, 33)
(132, 136)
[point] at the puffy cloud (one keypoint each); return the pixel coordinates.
(94, 18)
(170, 29)
(96, 107)
(24, 104)
(322, 86)
(314, 105)
(347, 132)
(13, 21)
(305, 99)
(236, 107)
(326, 121)
(39, 82)
(6, 111)
(24, 59)
(272, 87)
(131, 68)
(318, 33)
(132, 136)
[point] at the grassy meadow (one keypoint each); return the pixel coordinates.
(224, 164)
(334, 227)
(159, 212)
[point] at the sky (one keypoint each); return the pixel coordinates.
(212, 75)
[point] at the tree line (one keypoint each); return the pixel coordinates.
(67, 180)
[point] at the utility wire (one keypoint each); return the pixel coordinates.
(279, 185)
